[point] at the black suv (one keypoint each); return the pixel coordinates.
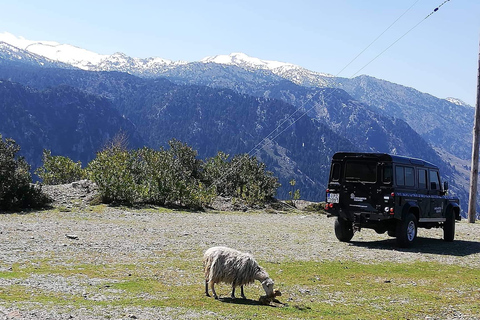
(388, 193)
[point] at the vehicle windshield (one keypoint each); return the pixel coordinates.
(361, 171)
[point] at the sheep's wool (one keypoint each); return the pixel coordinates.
(231, 266)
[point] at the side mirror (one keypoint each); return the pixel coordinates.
(445, 185)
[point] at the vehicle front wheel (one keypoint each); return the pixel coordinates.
(407, 231)
(449, 227)
(343, 230)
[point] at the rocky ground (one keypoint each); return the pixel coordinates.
(75, 230)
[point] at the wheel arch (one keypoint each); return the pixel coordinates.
(410, 207)
(455, 208)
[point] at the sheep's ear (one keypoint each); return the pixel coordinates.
(277, 293)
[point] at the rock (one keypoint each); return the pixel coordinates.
(75, 194)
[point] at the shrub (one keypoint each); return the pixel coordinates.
(16, 190)
(59, 170)
(243, 177)
(170, 177)
(175, 176)
(162, 177)
(113, 172)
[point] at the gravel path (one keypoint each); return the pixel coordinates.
(128, 236)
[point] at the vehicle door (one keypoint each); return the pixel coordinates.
(405, 182)
(359, 187)
(436, 194)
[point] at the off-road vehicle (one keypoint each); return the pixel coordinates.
(388, 193)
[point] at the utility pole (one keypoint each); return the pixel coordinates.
(472, 201)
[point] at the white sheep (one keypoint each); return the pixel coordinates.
(222, 264)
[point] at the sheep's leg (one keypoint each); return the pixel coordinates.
(213, 290)
(206, 288)
(241, 292)
(233, 291)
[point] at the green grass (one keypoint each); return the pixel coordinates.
(311, 290)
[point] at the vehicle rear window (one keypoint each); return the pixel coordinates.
(365, 171)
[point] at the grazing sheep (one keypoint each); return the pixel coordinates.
(222, 264)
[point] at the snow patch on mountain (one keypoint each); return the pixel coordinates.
(241, 60)
(289, 71)
(458, 102)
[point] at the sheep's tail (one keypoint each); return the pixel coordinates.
(207, 266)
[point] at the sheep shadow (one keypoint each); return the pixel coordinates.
(458, 248)
(249, 302)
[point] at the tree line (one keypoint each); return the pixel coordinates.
(167, 176)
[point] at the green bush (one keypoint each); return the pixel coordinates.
(16, 189)
(59, 170)
(163, 177)
(172, 177)
(243, 177)
(113, 172)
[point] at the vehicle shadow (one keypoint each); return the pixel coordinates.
(459, 248)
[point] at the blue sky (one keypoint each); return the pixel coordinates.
(439, 56)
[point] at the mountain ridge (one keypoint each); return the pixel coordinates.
(373, 114)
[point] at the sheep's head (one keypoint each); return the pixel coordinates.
(267, 285)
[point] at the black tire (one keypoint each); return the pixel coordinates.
(392, 232)
(407, 231)
(343, 230)
(449, 227)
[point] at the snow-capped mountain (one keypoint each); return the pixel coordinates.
(55, 51)
(89, 60)
(241, 59)
(155, 66)
(442, 123)
(12, 53)
(292, 72)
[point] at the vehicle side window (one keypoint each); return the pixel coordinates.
(422, 179)
(434, 180)
(399, 176)
(405, 176)
(335, 172)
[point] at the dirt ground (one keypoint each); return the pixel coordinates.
(125, 236)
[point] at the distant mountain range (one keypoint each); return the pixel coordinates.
(231, 103)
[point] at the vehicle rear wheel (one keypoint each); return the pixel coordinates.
(407, 231)
(449, 227)
(343, 230)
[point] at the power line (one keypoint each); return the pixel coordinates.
(309, 99)
(378, 37)
(262, 143)
(401, 37)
